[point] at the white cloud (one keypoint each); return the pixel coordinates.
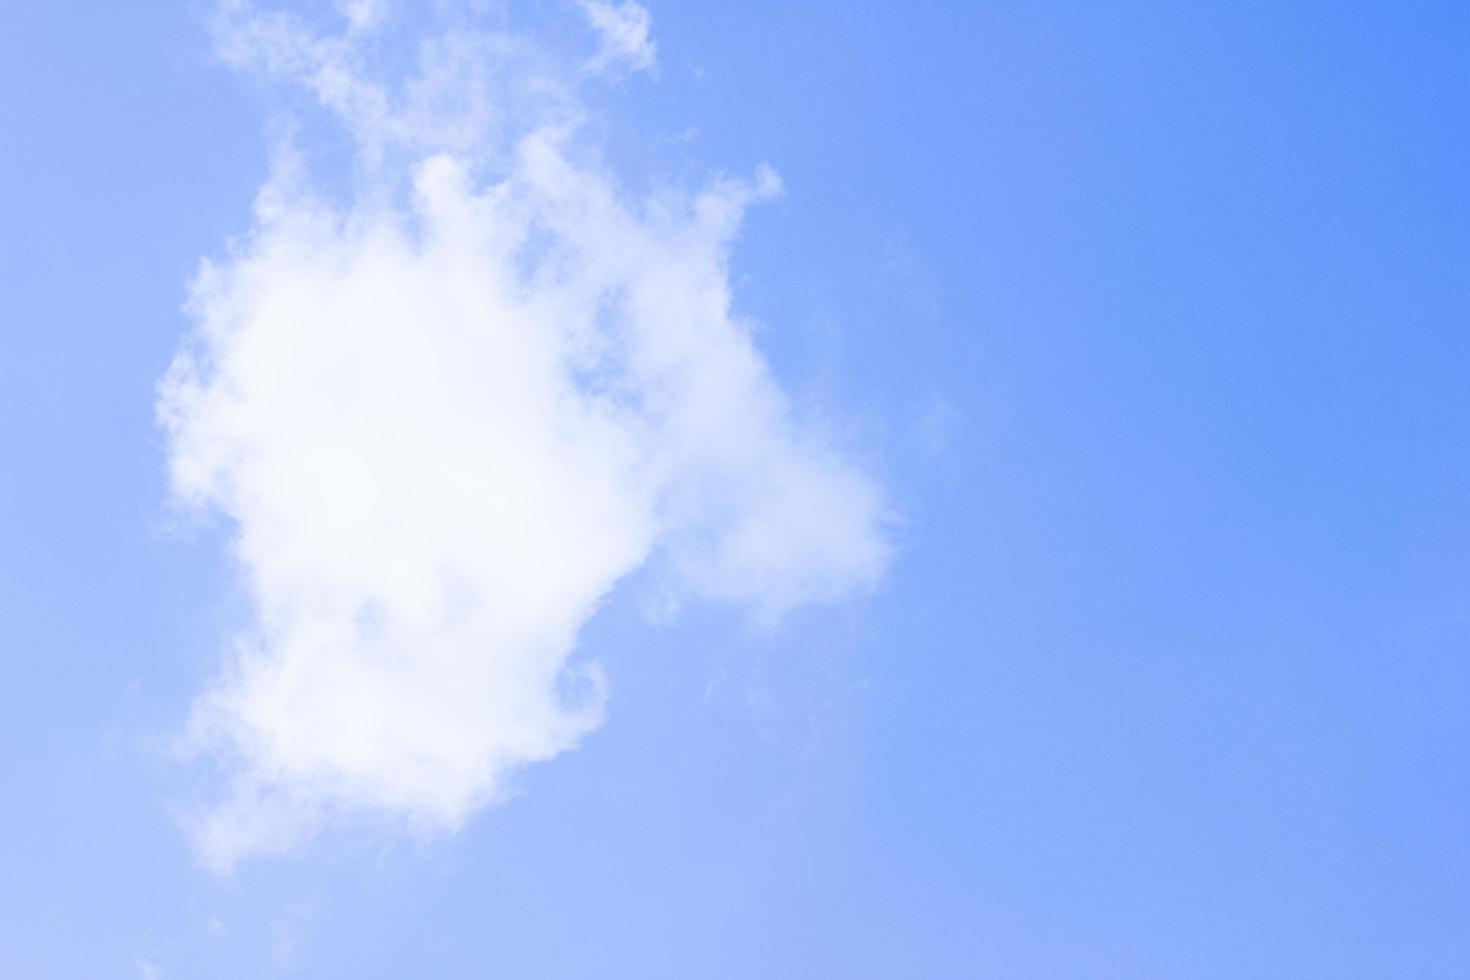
(623, 29)
(445, 419)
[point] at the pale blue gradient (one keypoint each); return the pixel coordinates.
(1154, 317)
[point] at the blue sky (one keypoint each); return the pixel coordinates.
(1144, 323)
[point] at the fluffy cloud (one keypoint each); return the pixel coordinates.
(447, 416)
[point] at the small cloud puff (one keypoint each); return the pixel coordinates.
(623, 29)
